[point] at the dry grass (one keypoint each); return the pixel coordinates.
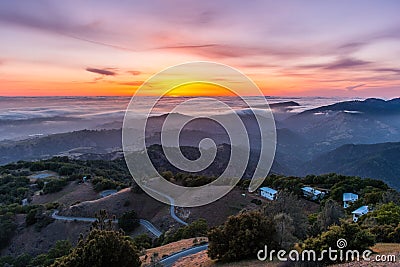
(217, 212)
(169, 249)
(202, 259)
(384, 248)
(145, 206)
(69, 195)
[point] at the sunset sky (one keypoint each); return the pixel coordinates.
(289, 48)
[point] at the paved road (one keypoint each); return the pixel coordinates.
(149, 226)
(172, 207)
(170, 260)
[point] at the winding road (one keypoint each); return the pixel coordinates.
(172, 206)
(171, 259)
(167, 261)
(148, 225)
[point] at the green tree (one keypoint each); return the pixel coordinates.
(241, 236)
(30, 218)
(129, 221)
(331, 214)
(288, 203)
(386, 214)
(7, 229)
(143, 241)
(356, 237)
(102, 248)
(194, 229)
(284, 230)
(103, 221)
(60, 249)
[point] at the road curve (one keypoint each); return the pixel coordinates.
(148, 225)
(170, 260)
(172, 206)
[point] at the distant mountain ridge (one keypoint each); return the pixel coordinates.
(314, 141)
(358, 122)
(370, 106)
(380, 161)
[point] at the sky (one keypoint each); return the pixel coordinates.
(288, 48)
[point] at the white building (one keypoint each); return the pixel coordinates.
(359, 212)
(312, 193)
(268, 193)
(349, 198)
(25, 202)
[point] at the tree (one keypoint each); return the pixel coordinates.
(241, 236)
(285, 230)
(142, 241)
(288, 203)
(356, 238)
(30, 218)
(331, 214)
(61, 248)
(194, 229)
(103, 221)
(386, 214)
(7, 229)
(102, 248)
(129, 221)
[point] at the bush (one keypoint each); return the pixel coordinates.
(387, 214)
(195, 229)
(241, 236)
(30, 218)
(129, 221)
(54, 185)
(101, 183)
(356, 237)
(7, 229)
(61, 248)
(102, 248)
(142, 241)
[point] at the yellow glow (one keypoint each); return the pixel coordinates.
(199, 89)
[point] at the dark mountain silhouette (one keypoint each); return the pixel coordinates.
(380, 161)
(370, 106)
(359, 122)
(312, 141)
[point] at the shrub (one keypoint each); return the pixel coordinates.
(7, 229)
(129, 221)
(102, 248)
(356, 237)
(241, 236)
(54, 185)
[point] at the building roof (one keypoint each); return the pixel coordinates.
(269, 190)
(349, 196)
(311, 190)
(361, 210)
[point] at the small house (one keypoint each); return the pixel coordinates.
(312, 193)
(349, 198)
(268, 193)
(25, 202)
(359, 212)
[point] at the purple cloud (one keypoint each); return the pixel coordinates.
(346, 63)
(351, 88)
(101, 71)
(134, 72)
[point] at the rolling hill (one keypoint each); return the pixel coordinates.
(380, 161)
